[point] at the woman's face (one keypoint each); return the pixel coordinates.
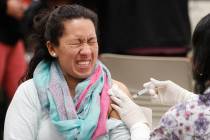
(78, 48)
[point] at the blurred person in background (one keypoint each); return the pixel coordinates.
(12, 61)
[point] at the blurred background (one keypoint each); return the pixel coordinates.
(15, 51)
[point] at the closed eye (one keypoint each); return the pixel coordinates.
(92, 40)
(74, 43)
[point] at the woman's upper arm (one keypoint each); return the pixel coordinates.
(122, 87)
(113, 113)
(21, 122)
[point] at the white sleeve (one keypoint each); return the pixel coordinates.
(22, 118)
(140, 131)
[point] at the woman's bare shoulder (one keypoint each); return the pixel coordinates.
(112, 112)
(122, 86)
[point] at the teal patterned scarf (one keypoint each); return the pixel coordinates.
(82, 117)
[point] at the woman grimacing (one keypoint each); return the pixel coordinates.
(65, 95)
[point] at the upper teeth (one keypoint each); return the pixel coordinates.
(84, 62)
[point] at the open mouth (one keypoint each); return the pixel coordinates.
(84, 63)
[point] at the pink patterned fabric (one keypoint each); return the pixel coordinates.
(104, 103)
(92, 81)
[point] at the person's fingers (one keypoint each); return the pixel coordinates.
(147, 84)
(117, 92)
(116, 100)
(152, 92)
(117, 108)
(157, 83)
(112, 90)
(154, 96)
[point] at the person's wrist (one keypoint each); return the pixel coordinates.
(134, 116)
(189, 95)
(140, 131)
(139, 125)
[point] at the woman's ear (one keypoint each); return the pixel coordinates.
(51, 49)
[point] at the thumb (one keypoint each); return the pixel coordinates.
(158, 83)
(116, 100)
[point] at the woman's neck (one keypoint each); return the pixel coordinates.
(72, 83)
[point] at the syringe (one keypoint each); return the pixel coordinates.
(140, 92)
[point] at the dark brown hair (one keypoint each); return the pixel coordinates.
(48, 26)
(201, 56)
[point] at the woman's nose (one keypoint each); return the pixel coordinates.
(86, 49)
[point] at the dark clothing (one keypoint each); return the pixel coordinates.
(34, 9)
(132, 27)
(131, 24)
(10, 28)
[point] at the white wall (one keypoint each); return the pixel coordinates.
(197, 10)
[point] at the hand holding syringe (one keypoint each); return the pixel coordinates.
(149, 88)
(165, 92)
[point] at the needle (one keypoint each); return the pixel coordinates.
(140, 92)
